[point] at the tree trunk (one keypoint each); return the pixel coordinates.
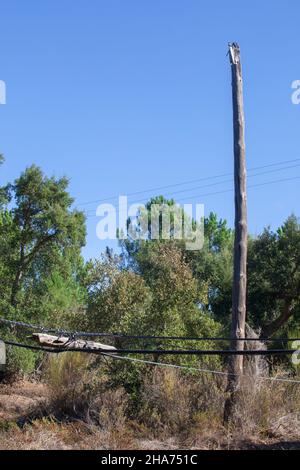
(15, 287)
(255, 366)
(240, 239)
(271, 329)
(18, 277)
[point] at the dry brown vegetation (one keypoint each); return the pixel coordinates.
(75, 406)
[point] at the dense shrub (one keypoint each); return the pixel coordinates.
(19, 362)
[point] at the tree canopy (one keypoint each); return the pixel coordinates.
(153, 286)
(41, 237)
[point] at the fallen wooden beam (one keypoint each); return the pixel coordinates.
(68, 343)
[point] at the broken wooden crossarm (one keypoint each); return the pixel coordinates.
(67, 343)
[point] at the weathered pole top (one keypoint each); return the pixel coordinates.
(234, 52)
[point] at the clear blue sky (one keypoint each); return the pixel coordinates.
(123, 96)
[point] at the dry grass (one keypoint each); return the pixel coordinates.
(177, 411)
(78, 390)
(172, 402)
(50, 435)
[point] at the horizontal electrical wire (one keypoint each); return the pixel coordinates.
(206, 178)
(229, 190)
(74, 334)
(158, 352)
(35, 348)
(144, 361)
(265, 183)
(30, 326)
(229, 180)
(196, 369)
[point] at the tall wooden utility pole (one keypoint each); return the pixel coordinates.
(240, 238)
(2, 358)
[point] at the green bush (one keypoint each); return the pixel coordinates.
(19, 362)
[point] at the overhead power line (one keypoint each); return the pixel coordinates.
(174, 185)
(144, 361)
(197, 369)
(74, 334)
(160, 352)
(281, 180)
(226, 181)
(231, 180)
(229, 190)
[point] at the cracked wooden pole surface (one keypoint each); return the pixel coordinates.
(2, 356)
(240, 238)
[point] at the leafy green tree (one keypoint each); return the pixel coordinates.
(118, 299)
(177, 305)
(3, 190)
(274, 278)
(140, 233)
(154, 295)
(178, 279)
(160, 298)
(212, 265)
(41, 235)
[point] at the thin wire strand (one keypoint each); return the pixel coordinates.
(229, 190)
(281, 180)
(158, 188)
(171, 194)
(196, 369)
